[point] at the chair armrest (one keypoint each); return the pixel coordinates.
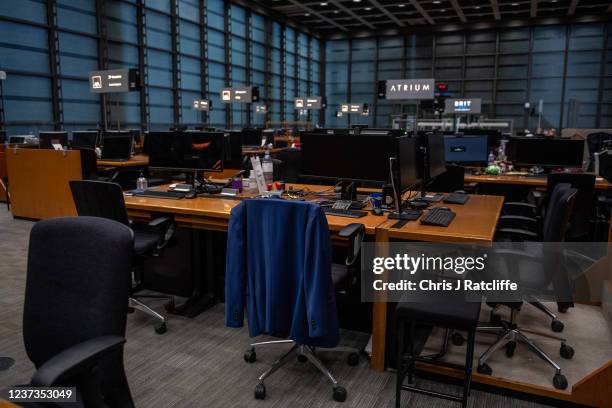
(159, 221)
(514, 204)
(75, 360)
(354, 233)
(518, 222)
(518, 233)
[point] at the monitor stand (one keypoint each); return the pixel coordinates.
(200, 185)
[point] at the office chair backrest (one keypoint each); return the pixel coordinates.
(78, 283)
(99, 199)
(89, 164)
(558, 213)
(580, 225)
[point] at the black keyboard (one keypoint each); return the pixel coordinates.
(456, 198)
(438, 217)
(173, 195)
(344, 213)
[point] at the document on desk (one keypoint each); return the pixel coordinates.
(259, 176)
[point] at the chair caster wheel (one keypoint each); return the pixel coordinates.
(495, 319)
(560, 382)
(260, 391)
(250, 357)
(510, 347)
(566, 351)
(484, 369)
(457, 339)
(302, 358)
(131, 310)
(352, 359)
(161, 328)
(562, 308)
(170, 307)
(339, 394)
(557, 326)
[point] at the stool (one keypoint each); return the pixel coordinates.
(452, 312)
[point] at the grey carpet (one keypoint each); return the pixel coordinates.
(198, 362)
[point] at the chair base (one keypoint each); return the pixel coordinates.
(508, 336)
(6, 363)
(135, 303)
(303, 353)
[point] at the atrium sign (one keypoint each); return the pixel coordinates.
(410, 89)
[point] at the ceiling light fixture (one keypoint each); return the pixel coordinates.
(324, 4)
(401, 5)
(368, 8)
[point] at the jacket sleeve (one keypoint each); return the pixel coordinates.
(236, 269)
(319, 290)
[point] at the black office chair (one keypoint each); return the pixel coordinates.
(105, 200)
(449, 181)
(76, 298)
(580, 225)
(549, 271)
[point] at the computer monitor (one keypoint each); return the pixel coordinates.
(546, 151)
(17, 139)
(117, 145)
(85, 139)
(466, 149)
(343, 156)
(2, 136)
(269, 135)
(46, 140)
(432, 155)
(186, 151)
(233, 149)
(251, 137)
(408, 164)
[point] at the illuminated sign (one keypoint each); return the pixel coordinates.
(463, 105)
(240, 94)
(114, 81)
(410, 89)
(355, 109)
(202, 104)
(310, 102)
(261, 109)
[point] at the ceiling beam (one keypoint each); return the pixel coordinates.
(421, 10)
(387, 13)
(572, 7)
(458, 10)
(534, 8)
(315, 13)
(352, 14)
(495, 8)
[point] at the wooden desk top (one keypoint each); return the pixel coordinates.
(475, 222)
(139, 160)
(600, 183)
(262, 150)
(220, 208)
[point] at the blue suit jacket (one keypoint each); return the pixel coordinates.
(278, 266)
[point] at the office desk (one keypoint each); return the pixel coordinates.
(261, 150)
(600, 183)
(139, 160)
(475, 222)
(214, 213)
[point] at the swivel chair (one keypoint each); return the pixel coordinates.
(75, 308)
(550, 272)
(342, 278)
(102, 199)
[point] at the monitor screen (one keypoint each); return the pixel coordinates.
(46, 140)
(251, 137)
(2, 136)
(466, 149)
(116, 146)
(436, 164)
(344, 156)
(189, 150)
(85, 139)
(546, 152)
(16, 139)
(408, 164)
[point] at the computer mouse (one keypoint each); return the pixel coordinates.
(444, 208)
(460, 192)
(191, 195)
(377, 211)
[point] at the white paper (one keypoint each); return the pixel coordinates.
(259, 176)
